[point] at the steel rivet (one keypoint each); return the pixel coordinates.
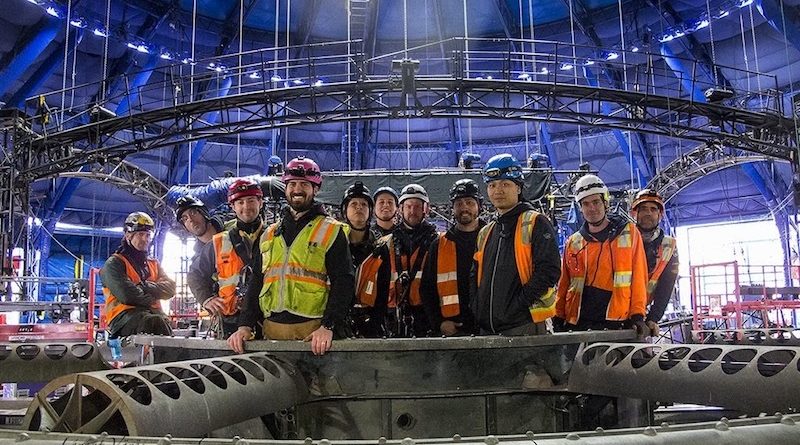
(721, 426)
(456, 437)
(787, 420)
(308, 441)
(324, 442)
(407, 441)
(529, 435)
(573, 436)
(650, 431)
(22, 437)
(491, 440)
(664, 424)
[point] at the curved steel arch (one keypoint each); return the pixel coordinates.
(691, 166)
(441, 97)
(126, 176)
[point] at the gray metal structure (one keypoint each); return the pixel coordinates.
(42, 362)
(185, 399)
(761, 337)
(750, 379)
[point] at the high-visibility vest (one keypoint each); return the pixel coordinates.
(545, 306)
(367, 288)
(576, 259)
(447, 277)
(229, 272)
(665, 251)
(295, 278)
(113, 305)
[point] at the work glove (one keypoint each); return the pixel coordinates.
(559, 324)
(642, 330)
(653, 326)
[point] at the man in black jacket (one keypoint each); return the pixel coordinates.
(517, 260)
(445, 276)
(388, 280)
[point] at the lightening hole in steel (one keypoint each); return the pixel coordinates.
(406, 421)
(268, 364)
(163, 382)
(773, 362)
(55, 352)
(703, 358)
(211, 373)
(82, 351)
(671, 357)
(755, 337)
(27, 352)
(592, 354)
(734, 361)
(780, 336)
(133, 386)
(92, 404)
(5, 351)
(189, 378)
(643, 356)
(250, 367)
(232, 370)
(616, 355)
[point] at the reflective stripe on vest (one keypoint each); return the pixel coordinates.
(665, 251)
(544, 307)
(229, 271)
(622, 269)
(113, 306)
(447, 277)
(296, 279)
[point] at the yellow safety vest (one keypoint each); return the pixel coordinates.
(545, 306)
(296, 279)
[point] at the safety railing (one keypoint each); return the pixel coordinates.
(314, 65)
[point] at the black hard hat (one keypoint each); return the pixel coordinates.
(386, 189)
(187, 202)
(356, 190)
(465, 188)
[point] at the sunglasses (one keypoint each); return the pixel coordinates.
(301, 172)
(495, 172)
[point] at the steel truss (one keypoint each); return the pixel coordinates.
(363, 96)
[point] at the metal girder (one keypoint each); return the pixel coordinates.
(714, 375)
(696, 164)
(127, 176)
(442, 97)
(742, 337)
(186, 399)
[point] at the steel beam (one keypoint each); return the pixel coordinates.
(741, 337)
(750, 379)
(42, 362)
(184, 399)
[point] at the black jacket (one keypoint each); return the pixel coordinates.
(500, 301)
(363, 249)
(666, 282)
(466, 243)
(338, 266)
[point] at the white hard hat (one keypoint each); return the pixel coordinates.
(414, 191)
(590, 185)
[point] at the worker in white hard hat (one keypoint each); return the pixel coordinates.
(604, 269)
(661, 251)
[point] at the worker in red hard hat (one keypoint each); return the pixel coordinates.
(218, 279)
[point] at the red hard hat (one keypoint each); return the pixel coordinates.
(648, 195)
(303, 169)
(244, 187)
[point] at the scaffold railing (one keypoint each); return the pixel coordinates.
(731, 298)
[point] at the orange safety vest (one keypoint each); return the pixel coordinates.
(367, 289)
(447, 278)
(229, 270)
(113, 306)
(628, 293)
(543, 308)
(665, 251)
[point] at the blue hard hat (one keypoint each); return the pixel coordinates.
(503, 166)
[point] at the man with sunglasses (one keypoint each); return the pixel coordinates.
(302, 279)
(227, 259)
(445, 275)
(517, 261)
(661, 251)
(604, 269)
(389, 280)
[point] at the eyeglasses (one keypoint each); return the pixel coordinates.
(495, 172)
(302, 172)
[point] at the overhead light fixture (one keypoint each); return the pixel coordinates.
(166, 55)
(634, 49)
(78, 22)
(612, 56)
(318, 83)
(52, 11)
(524, 76)
(275, 78)
(255, 75)
(544, 71)
(566, 67)
(589, 62)
(100, 32)
(298, 81)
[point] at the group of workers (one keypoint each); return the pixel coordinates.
(310, 277)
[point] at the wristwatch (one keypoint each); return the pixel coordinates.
(328, 324)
